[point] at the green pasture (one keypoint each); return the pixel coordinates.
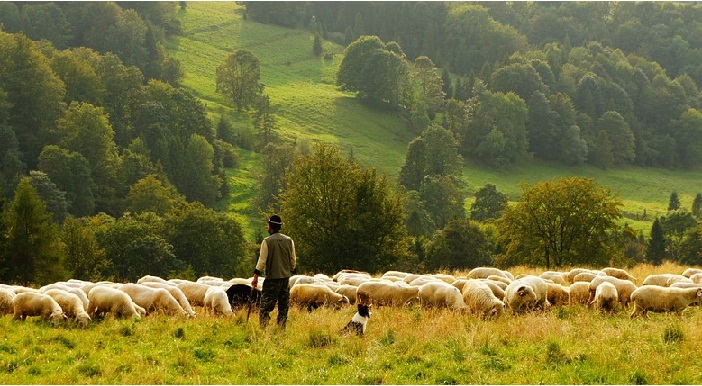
(309, 108)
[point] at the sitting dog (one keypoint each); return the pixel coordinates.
(359, 321)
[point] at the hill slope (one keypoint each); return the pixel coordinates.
(310, 108)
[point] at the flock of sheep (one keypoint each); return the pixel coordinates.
(486, 292)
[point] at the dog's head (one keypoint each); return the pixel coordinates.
(364, 310)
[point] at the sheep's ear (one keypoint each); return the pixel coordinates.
(521, 291)
(699, 292)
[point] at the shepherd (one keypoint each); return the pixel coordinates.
(277, 259)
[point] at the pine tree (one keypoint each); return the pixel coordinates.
(655, 249)
(674, 203)
(697, 206)
(317, 45)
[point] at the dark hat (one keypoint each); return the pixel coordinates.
(275, 222)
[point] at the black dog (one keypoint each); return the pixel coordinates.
(359, 321)
(240, 294)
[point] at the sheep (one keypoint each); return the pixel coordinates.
(497, 287)
(349, 291)
(677, 279)
(420, 281)
(6, 301)
(440, 294)
(606, 297)
(584, 276)
(691, 271)
(37, 304)
(624, 288)
(313, 296)
(570, 276)
(153, 279)
(71, 305)
(216, 300)
(153, 299)
(527, 292)
(696, 278)
(481, 301)
(556, 277)
(663, 299)
(657, 279)
(557, 294)
(64, 287)
(446, 278)
(618, 273)
(176, 293)
(395, 274)
(302, 279)
(484, 272)
(579, 293)
(501, 279)
(194, 292)
(383, 293)
(105, 299)
(18, 289)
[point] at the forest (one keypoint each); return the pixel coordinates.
(109, 168)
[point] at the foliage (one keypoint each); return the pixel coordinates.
(675, 225)
(85, 260)
(674, 201)
(489, 204)
(152, 195)
(238, 78)
(342, 215)
(656, 246)
(461, 244)
(33, 252)
(568, 221)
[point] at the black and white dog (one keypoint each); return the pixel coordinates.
(359, 321)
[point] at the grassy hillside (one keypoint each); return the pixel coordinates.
(310, 108)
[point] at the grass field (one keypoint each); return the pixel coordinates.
(309, 108)
(567, 345)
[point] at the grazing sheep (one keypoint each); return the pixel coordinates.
(194, 292)
(176, 293)
(663, 299)
(420, 281)
(657, 279)
(153, 279)
(440, 294)
(691, 271)
(37, 304)
(71, 305)
(570, 276)
(527, 292)
(677, 279)
(501, 279)
(484, 272)
(696, 278)
(6, 301)
(216, 300)
(619, 274)
(396, 274)
(481, 301)
(624, 288)
(557, 294)
(459, 283)
(556, 277)
(349, 291)
(302, 279)
(446, 278)
(312, 296)
(585, 277)
(153, 299)
(386, 293)
(104, 299)
(579, 293)
(498, 288)
(74, 290)
(18, 289)
(606, 297)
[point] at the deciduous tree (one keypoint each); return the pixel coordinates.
(238, 79)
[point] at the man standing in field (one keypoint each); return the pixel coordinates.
(278, 260)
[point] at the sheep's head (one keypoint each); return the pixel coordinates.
(57, 317)
(699, 292)
(83, 318)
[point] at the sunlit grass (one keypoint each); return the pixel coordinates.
(567, 345)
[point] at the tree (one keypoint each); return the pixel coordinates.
(152, 195)
(674, 201)
(429, 86)
(602, 154)
(563, 222)
(620, 136)
(460, 245)
(33, 246)
(489, 204)
(70, 171)
(433, 153)
(341, 215)
(317, 45)
(276, 162)
(676, 224)
(263, 121)
(238, 79)
(85, 260)
(53, 197)
(442, 198)
(697, 206)
(656, 247)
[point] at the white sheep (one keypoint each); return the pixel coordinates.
(104, 299)
(527, 292)
(619, 274)
(349, 291)
(312, 296)
(556, 277)
(71, 305)
(195, 292)
(579, 293)
(153, 299)
(153, 279)
(677, 279)
(217, 301)
(386, 293)
(557, 294)
(7, 301)
(352, 278)
(691, 271)
(481, 301)
(657, 279)
(424, 279)
(176, 293)
(498, 288)
(624, 288)
(37, 304)
(440, 294)
(663, 299)
(606, 297)
(570, 276)
(696, 278)
(584, 277)
(484, 272)
(68, 287)
(500, 279)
